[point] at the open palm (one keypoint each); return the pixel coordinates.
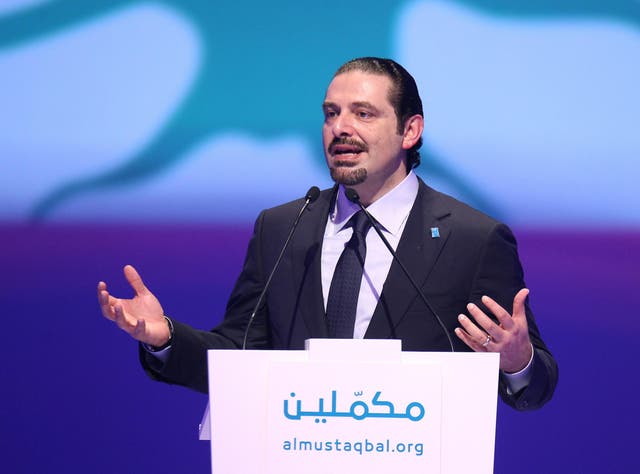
(141, 317)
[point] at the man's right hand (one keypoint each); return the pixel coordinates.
(141, 317)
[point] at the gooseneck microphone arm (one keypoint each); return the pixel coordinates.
(352, 195)
(310, 197)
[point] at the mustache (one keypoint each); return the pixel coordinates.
(360, 146)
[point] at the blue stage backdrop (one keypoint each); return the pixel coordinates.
(153, 133)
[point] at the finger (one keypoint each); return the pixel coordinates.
(107, 304)
(102, 293)
(136, 328)
(499, 312)
(134, 279)
(105, 301)
(139, 329)
(519, 304)
(105, 307)
(121, 320)
(485, 322)
(477, 335)
(469, 341)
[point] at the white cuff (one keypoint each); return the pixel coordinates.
(162, 355)
(519, 380)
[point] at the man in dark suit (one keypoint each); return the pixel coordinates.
(464, 261)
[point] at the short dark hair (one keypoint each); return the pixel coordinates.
(403, 95)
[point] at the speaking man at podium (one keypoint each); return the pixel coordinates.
(338, 278)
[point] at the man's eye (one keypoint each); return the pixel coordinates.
(329, 114)
(364, 114)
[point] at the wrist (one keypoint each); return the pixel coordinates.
(525, 366)
(152, 348)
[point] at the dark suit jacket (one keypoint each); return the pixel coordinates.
(474, 256)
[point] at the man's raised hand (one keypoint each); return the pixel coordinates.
(141, 317)
(510, 337)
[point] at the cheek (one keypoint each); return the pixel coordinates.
(326, 136)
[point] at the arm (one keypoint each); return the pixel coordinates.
(509, 322)
(185, 362)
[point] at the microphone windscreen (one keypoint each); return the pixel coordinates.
(312, 194)
(352, 195)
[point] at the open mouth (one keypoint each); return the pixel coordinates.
(344, 148)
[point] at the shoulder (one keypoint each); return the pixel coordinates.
(469, 227)
(291, 208)
(444, 206)
(284, 214)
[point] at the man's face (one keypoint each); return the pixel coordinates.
(360, 133)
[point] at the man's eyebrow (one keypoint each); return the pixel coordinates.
(354, 105)
(363, 104)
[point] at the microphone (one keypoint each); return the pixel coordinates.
(310, 197)
(352, 195)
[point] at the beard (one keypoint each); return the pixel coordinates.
(347, 174)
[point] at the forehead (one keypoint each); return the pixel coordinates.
(359, 86)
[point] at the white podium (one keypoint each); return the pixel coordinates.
(351, 405)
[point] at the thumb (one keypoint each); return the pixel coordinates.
(518, 303)
(134, 279)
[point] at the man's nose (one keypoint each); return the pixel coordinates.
(343, 126)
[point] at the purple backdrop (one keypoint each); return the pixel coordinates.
(75, 400)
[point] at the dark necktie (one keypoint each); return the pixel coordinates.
(345, 285)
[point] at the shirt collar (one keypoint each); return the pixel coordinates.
(390, 211)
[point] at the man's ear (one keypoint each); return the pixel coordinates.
(413, 128)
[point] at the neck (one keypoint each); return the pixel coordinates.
(370, 191)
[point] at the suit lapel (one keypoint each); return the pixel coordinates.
(418, 250)
(306, 264)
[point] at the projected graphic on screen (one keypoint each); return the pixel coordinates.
(158, 111)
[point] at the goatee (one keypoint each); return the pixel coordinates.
(347, 176)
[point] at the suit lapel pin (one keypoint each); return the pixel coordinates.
(435, 232)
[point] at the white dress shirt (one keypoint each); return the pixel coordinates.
(391, 212)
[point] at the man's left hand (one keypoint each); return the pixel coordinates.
(510, 337)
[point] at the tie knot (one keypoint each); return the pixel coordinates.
(360, 223)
